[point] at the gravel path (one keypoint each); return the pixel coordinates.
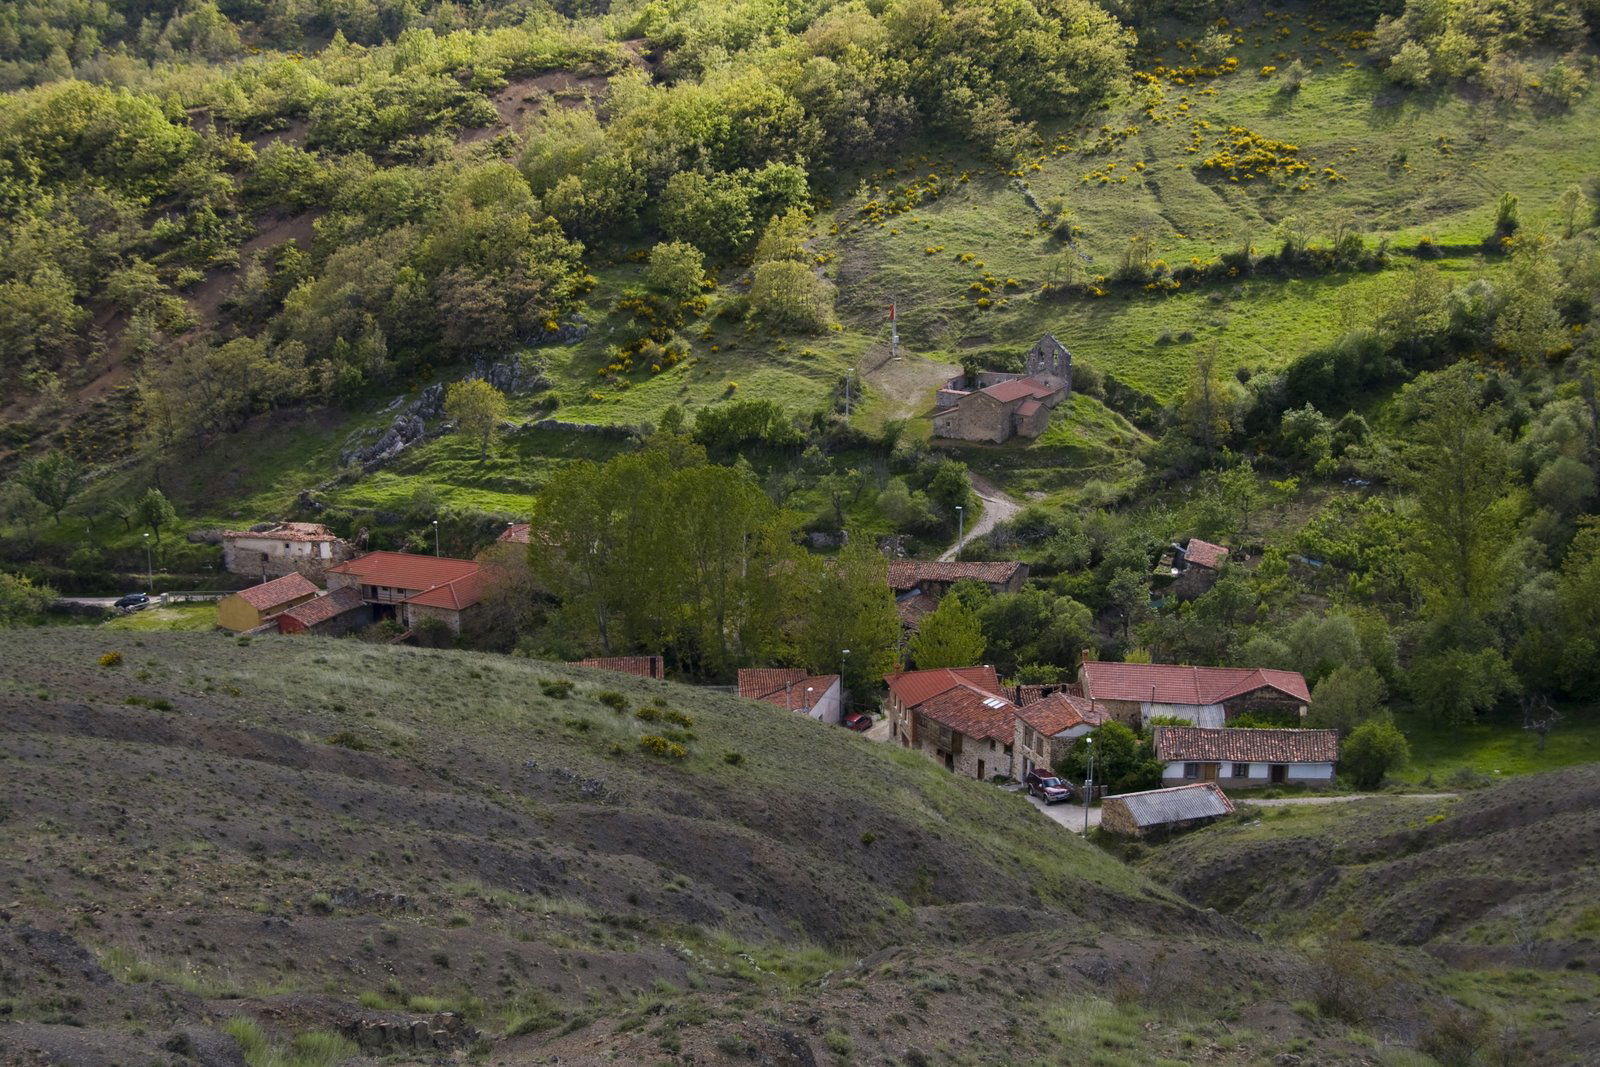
(997, 508)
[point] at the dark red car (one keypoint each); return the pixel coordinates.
(860, 722)
(1043, 783)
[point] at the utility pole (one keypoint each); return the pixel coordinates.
(1088, 784)
(149, 567)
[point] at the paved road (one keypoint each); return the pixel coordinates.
(1071, 815)
(88, 601)
(997, 508)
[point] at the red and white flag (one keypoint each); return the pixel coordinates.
(891, 312)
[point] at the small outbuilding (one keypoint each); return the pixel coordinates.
(255, 606)
(1164, 810)
(328, 615)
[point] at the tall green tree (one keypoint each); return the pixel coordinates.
(950, 636)
(1371, 751)
(156, 512)
(477, 409)
(54, 479)
(846, 603)
(1457, 474)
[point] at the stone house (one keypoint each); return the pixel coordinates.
(256, 606)
(956, 717)
(818, 696)
(1046, 729)
(1002, 405)
(1190, 569)
(1163, 811)
(1133, 693)
(412, 588)
(271, 550)
(329, 615)
(919, 585)
(1244, 758)
(638, 666)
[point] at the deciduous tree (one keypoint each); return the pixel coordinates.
(950, 636)
(477, 408)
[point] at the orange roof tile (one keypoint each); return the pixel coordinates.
(323, 608)
(972, 711)
(405, 570)
(914, 687)
(1204, 553)
(1018, 388)
(455, 596)
(278, 592)
(909, 573)
(758, 682)
(1060, 712)
(1183, 743)
(1171, 683)
(643, 666)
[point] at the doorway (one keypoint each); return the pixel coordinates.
(1279, 774)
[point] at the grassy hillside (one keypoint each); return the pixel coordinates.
(293, 842)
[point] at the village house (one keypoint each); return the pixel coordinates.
(919, 585)
(329, 615)
(1188, 570)
(1133, 693)
(1001, 405)
(955, 716)
(271, 550)
(1164, 811)
(818, 696)
(255, 606)
(638, 666)
(1046, 729)
(412, 588)
(1244, 758)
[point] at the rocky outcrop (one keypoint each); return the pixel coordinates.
(379, 1035)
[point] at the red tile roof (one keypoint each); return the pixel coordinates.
(1183, 743)
(287, 531)
(321, 609)
(1019, 388)
(516, 533)
(274, 594)
(454, 596)
(1032, 694)
(909, 573)
(643, 666)
(754, 685)
(1028, 407)
(972, 711)
(913, 609)
(1060, 712)
(405, 570)
(758, 682)
(1204, 553)
(1170, 683)
(914, 687)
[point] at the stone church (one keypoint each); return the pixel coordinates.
(1004, 405)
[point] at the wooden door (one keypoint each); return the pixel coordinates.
(1209, 771)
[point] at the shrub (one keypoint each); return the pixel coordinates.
(648, 714)
(111, 659)
(660, 746)
(733, 759)
(678, 718)
(1371, 751)
(613, 700)
(555, 688)
(346, 739)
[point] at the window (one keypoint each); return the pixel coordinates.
(1241, 770)
(991, 744)
(1191, 770)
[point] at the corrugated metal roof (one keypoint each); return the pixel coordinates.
(1178, 803)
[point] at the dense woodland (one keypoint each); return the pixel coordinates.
(1412, 507)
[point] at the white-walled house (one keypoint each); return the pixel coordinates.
(819, 696)
(1245, 758)
(1134, 693)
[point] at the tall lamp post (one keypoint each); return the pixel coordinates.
(149, 567)
(843, 653)
(435, 537)
(1088, 784)
(961, 528)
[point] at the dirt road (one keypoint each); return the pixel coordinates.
(997, 508)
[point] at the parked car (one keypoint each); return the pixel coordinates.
(1041, 782)
(133, 601)
(860, 722)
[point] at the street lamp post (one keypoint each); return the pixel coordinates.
(809, 691)
(1088, 784)
(843, 653)
(435, 537)
(961, 528)
(149, 567)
